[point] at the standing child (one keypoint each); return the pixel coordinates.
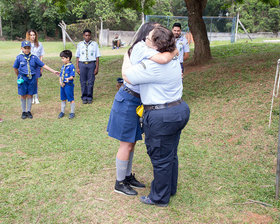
(66, 81)
(25, 67)
(38, 50)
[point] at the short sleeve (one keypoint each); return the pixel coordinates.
(42, 50)
(97, 51)
(140, 51)
(72, 71)
(78, 51)
(142, 73)
(186, 47)
(38, 61)
(16, 63)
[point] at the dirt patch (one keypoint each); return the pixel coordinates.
(196, 68)
(255, 218)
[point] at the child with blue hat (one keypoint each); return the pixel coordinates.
(25, 67)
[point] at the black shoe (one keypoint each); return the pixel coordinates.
(123, 187)
(71, 115)
(148, 201)
(29, 115)
(85, 101)
(131, 180)
(61, 115)
(89, 101)
(24, 115)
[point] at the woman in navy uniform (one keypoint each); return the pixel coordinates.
(124, 122)
(166, 114)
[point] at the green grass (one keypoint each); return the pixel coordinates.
(63, 171)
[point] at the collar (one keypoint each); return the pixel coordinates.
(87, 43)
(65, 65)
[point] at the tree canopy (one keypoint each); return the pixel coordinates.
(44, 15)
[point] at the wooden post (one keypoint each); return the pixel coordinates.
(236, 28)
(1, 33)
(101, 32)
(278, 164)
(62, 25)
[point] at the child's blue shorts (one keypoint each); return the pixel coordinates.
(28, 87)
(67, 92)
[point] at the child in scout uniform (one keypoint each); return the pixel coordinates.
(66, 81)
(25, 67)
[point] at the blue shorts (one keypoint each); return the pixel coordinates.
(67, 92)
(28, 87)
(124, 122)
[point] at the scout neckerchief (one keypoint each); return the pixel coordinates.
(63, 72)
(87, 44)
(28, 64)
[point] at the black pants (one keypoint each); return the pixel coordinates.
(162, 134)
(87, 79)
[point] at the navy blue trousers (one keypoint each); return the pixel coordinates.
(162, 134)
(87, 79)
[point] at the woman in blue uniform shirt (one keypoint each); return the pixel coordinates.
(124, 122)
(166, 114)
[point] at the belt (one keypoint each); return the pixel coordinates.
(162, 106)
(87, 62)
(131, 92)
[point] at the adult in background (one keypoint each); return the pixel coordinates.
(181, 44)
(166, 114)
(116, 42)
(124, 122)
(38, 50)
(87, 65)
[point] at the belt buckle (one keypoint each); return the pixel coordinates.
(155, 107)
(86, 62)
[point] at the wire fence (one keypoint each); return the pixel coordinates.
(218, 28)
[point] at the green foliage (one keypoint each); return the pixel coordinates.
(273, 20)
(138, 5)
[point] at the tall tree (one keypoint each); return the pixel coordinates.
(202, 52)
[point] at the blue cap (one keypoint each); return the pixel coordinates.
(25, 43)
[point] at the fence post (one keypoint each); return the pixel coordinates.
(233, 35)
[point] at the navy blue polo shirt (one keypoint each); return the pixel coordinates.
(21, 64)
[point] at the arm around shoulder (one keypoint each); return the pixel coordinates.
(165, 57)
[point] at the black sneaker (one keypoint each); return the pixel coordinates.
(24, 115)
(89, 101)
(71, 115)
(131, 180)
(29, 115)
(85, 101)
(123, 187)
(61, 115)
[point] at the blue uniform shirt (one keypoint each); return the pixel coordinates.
(139, 52)
(182, 46)
(67, 71)
(21, 64)
(87, 51)
(159, 83)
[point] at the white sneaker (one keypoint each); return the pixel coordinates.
(36, 100)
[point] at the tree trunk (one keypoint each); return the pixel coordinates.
(202, 52)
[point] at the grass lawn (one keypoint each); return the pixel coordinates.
(63, 171)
